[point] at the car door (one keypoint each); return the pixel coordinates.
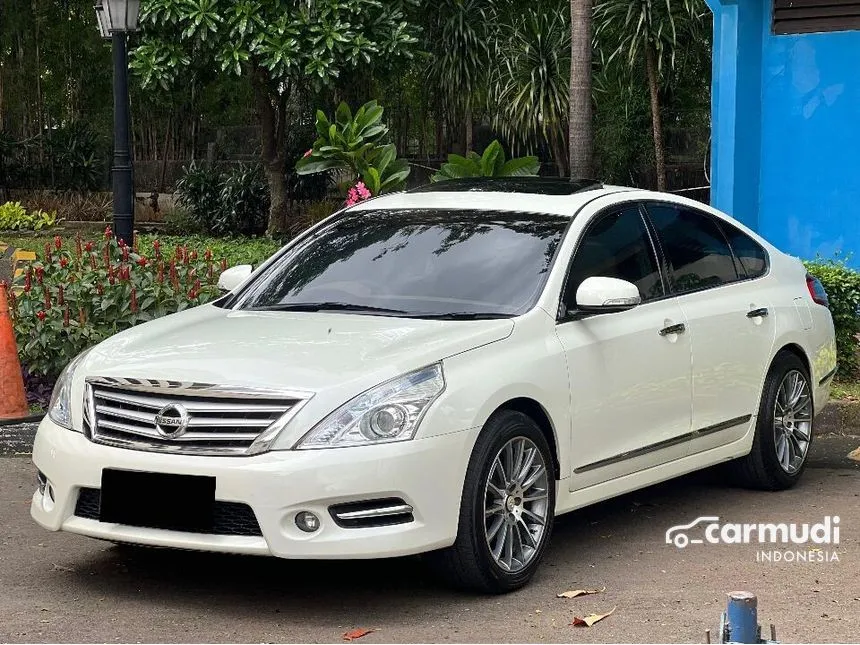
(728, 315)
(629, 372)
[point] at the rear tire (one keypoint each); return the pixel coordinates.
(506, 511)
(784, 428)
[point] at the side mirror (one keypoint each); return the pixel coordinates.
(234, 277)
(606, 295)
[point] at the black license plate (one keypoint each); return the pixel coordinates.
(157, 500)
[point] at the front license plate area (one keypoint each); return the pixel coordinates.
(157, 500)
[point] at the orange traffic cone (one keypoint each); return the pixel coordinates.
(13, 399)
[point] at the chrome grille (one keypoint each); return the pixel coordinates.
(188, 418)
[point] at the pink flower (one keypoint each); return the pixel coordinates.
(308, 153)
(357, 193)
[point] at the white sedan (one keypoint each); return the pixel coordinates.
(444, 371)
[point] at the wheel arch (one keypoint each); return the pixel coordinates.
(537, 413)
(799, 352)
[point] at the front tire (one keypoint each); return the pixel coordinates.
(783, 432)
(507, 508)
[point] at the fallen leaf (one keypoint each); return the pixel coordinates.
(579, 592)
(352, 634)
(589, 620)
(854, 454)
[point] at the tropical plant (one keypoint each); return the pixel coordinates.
(458, 36)
(531, 83)
(646, 31)
(235, 201)
(283, 47)
(490, 164)
(355, 144)
(80, 292)
(14, 217)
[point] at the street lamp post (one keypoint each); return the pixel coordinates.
(116, 18)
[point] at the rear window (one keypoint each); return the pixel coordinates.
(417, 263)
(751, 254)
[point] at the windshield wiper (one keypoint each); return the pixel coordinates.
(330, 306)
(464, 315)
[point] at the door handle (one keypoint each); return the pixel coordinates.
(680, 328)
(758, 313)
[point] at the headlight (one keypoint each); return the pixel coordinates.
(384, 414)
(60, 409)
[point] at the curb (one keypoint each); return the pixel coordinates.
(33, 418)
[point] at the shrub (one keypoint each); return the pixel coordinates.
(490, 164)
(80, 293)
(13, 217)
(843, 289)
(235, 201)
(355, 144)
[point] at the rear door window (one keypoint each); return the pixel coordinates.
(750, 254)
(698, 254)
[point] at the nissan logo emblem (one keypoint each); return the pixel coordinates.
(172, 421)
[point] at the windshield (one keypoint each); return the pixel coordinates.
(415, 263)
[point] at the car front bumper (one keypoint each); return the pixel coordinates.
(427, 474)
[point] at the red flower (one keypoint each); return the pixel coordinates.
(100, 288)
(122, 244)
(82, 317)
(125, 254)
(108, 232)
(58, 242)
(93, 264)
(61, 295)
(66, 317)
(28, 281)
(126, 273)
(180, 253)
(47, 299)
(208, 255)
(64, 262)
(223, 264)
(193, 256)
(142, 262)
(40, 274)
(48, 257)
(88, 247)
(41, 315)
(160, 276)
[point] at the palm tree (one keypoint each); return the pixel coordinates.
(458, 39)
(529, 86)
(580, 132)
(649, 30)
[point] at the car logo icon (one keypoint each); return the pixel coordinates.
(172, 421)
(677, 534)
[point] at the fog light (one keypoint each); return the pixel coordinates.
(42, 481)
(307, 521)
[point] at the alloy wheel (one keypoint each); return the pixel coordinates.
(516, 504)
(792, 421)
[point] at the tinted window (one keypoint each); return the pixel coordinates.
(616, 246)
(752, 256)
(695, 247)
(417, 262)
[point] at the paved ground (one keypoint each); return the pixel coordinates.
(61, 587)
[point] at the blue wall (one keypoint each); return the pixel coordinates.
(786, 131)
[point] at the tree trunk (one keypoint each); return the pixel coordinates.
(271, 113)
(656, 119)
(581, 136)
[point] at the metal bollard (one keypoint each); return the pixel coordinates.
(742, 618)
(739, 623)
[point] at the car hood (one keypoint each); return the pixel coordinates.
(289, 350)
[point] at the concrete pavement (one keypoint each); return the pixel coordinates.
(61, 587)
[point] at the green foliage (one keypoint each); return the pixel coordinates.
(355, 143)
(491, 164)
(225, 202)
(235, 250)
(531, 83)
(80, 293)
(283, 39)
(13, 217)
(842, 285)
